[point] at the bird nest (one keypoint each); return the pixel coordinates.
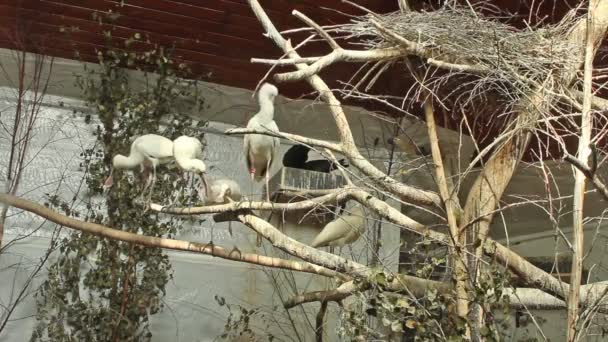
(501, 57)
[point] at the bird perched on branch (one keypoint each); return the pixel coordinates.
(147, 152)
(188, 154)
(344, 230)
(297, 157)
(220, 191)
(260, 150)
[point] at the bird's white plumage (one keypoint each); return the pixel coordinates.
(147, 151)
(343, 230)
(222, 191)
(151, 148)
(260, 150)
(188, 154)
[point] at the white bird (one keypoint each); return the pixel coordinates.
(261, 150)
(344, 230)
(221, 191)
(188, 154)
(147, 151)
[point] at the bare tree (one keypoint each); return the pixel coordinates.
(30, 87)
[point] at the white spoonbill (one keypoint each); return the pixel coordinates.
(188, 154)
(261, 150)
(147, 151)
(221, 191)
(342, 231)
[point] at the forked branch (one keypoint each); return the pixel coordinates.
(347, 142)
(590, 174)
(518, 265)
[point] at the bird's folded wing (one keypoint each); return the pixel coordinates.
(333, 231)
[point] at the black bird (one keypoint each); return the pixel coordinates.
(297, 157)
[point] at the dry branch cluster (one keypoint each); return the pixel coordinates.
(506, 60)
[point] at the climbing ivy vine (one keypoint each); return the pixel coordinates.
(99, 289)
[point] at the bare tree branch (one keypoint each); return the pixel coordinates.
(593, 177)
(341, 292)
(292, 137)
(340, 55)
(453, 210)
(150, 241)
(406, 47)
(337, 195)
(349, 148)
(413, 286)
(580, 182)
(597, 102)
(489, 186)
(530, 298)
(420, 51)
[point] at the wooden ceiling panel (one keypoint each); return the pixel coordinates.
(217, 36)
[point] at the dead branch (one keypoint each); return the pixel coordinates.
(339, 55)
(597, 102)
(337, 195)
(406, 47)
(592, 176)
(452, 207)
(489, 186)
(298, 249)
(347, 142)
(335, 295)
(210, 249)
(530, 298)
(580, 182)
(422, 52)
(412, 285)
(292, 137)
(402, 283)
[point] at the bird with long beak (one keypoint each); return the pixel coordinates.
(188, 154)
(220, 191)
(261, 150)
(147, 152)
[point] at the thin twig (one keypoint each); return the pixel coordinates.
(292, 137)
(332, 43)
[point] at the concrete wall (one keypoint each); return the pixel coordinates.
(191, 312)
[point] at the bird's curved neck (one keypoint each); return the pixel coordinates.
(122, 162)
(266, 109)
